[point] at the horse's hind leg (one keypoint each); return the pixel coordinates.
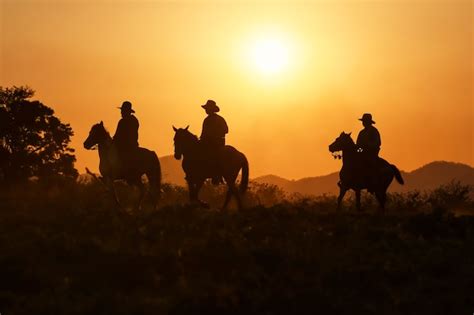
(141, 188)
(232, 190)
(154, 190)
(237, 196)
(154, 193)
(381, 198)
(342, 193)
(227, 198)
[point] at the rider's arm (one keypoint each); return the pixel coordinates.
(226, 128)
(379, 141)
(360, 138)
(374, 139)
(204, 128)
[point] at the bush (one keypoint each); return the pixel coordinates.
(451, 196)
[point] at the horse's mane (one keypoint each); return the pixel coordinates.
(352, 140)
(191, 135)
(348, 135)
(103, 128)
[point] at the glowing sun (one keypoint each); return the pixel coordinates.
(270, 55)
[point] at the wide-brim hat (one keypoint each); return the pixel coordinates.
(211, 105)
(367, 118)
(126, 106)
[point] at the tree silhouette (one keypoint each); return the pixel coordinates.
(33, 141)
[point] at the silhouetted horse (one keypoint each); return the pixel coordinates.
(198, 169)
(145, 163)
(353, 174)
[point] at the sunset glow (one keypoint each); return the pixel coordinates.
(288, 76)
(270, 55)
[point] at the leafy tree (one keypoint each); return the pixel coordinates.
(33, 141)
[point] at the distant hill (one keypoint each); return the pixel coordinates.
(436, 173)
(424, 178)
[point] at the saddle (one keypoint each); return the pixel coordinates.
(128, 159)
(370, 164)
(211, 154)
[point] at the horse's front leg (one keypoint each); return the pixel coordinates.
(198, 188)
(342, 193)
(191, 188)
(109, 183)
(194, 187)
(358, 207)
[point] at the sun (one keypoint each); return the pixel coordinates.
(270, 55)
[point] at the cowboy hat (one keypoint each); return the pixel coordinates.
(367, 117)
(211, 105)
(126, 106)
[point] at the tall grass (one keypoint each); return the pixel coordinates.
(66, 249)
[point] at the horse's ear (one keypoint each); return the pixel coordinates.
(186, 127)
(101, 123)
(349, 133)
(175, 129)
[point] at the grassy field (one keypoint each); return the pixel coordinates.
(65, 249)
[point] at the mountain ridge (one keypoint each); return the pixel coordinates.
(426, 177)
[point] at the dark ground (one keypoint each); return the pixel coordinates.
(66, 250)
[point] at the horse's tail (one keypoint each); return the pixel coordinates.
(244, 182)
(397, 174)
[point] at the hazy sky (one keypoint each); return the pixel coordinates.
(409, 63)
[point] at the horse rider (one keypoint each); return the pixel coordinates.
(368, 142)
(126, 135)
(214, 129)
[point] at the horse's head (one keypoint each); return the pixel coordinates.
(183, 139)
(344, 141)
(97, 135)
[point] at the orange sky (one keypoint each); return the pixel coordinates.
(409, 63)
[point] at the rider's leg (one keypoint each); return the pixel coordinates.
(371, 159)
(214, 153)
